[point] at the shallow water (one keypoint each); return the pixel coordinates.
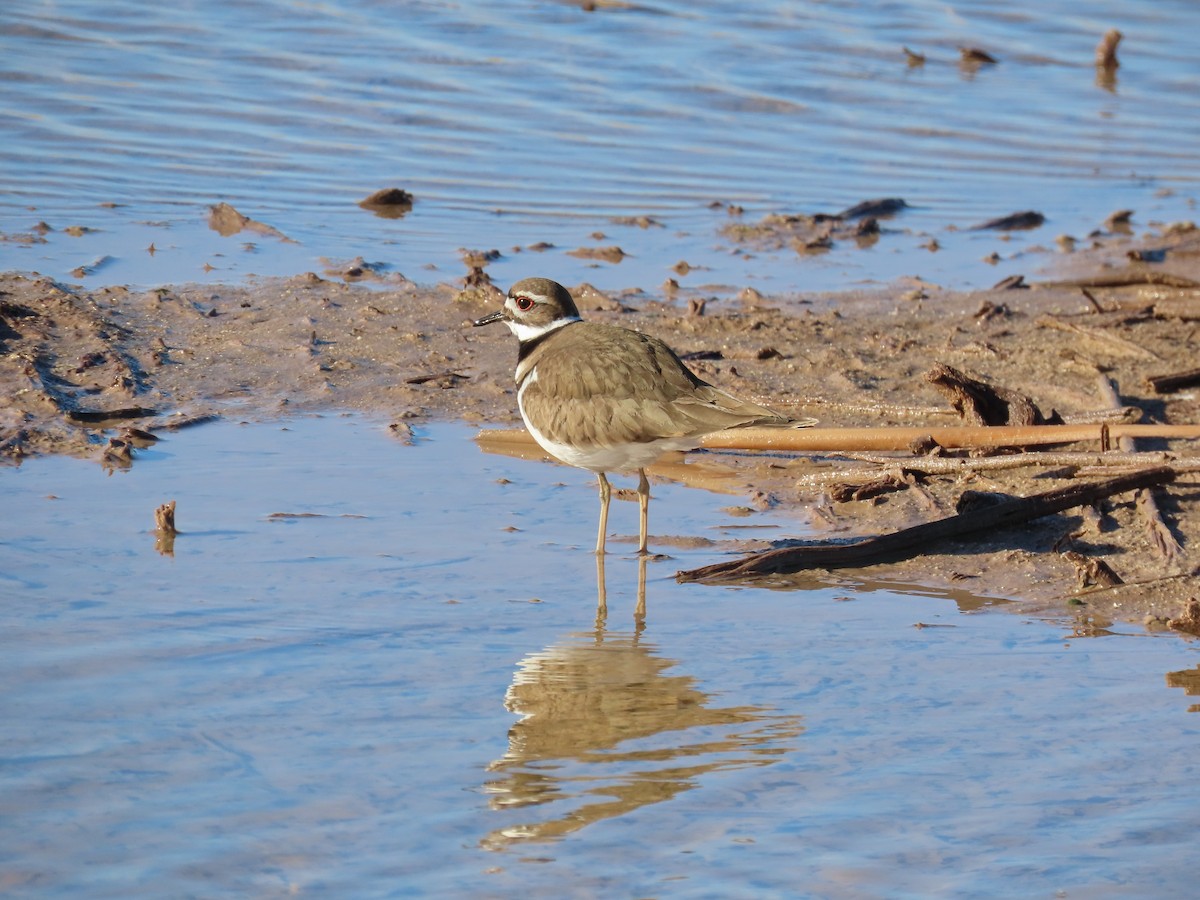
(536, 121)
(401, 688)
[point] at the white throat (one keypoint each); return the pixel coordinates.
(526, 332)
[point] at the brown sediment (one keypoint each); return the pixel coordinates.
(922, 539)
(96, 372)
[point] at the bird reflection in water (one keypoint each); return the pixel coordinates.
(605, 729)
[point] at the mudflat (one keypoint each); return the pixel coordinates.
(97, 372)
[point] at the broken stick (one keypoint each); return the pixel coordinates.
(1160, 535)
(912, 541)
(804, 440)
(1168, 384)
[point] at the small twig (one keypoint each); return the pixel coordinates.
(1092, 300)
(1139, 586)
(1160, 535)
(881, 409)
(1118, 346)
(1128, 414)
(942, 465)
(1184, 466)
(1125, 278)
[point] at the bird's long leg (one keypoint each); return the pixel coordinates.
(601, 596)
(605, 494)
(639, 611)
(644, 510)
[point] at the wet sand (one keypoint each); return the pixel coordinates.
(86, 372)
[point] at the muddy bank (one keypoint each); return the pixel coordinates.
(95, 372)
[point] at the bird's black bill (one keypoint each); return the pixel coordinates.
(497, 316)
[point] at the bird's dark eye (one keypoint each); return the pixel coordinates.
(524, 303)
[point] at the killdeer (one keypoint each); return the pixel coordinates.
(605, 398)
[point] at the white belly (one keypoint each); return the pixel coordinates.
(619, 458)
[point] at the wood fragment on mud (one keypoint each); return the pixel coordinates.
(984, 404)
(1091, 572)
(883, 438)
(919, 539)
(1113, 344)
(1130, 277)
(964, 437)
(1174, 381)
(1079, 461)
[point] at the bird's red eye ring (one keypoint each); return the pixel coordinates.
(524, 303)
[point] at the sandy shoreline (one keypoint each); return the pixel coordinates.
(80, 369)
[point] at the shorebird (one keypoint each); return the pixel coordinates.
(606, 398)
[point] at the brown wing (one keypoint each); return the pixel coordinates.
(606, 385)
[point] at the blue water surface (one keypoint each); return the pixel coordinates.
(366, 669)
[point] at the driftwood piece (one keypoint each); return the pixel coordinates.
(1072, 460)
(1109, 343)
(965, 437)
(1134, 275)
(1167, 384)
(983, 404)
(808, 440)
(1063, 465)
(919, 538)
